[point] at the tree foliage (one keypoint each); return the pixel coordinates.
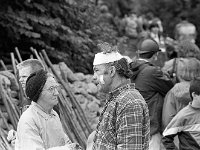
(67, 29)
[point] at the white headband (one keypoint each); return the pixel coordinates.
(102, 58)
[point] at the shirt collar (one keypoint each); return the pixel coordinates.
(195, 108)
(41, 111)
(122, 87)
(143, 59)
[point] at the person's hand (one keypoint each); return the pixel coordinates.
(90, 140)
(74, 146)
(11, 136)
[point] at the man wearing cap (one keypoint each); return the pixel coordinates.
(124, 120)
(153, 84)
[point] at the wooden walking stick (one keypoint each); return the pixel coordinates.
(18, 54)
(16, 62)
(13, 63)
(70, 115)
(3, 65)
(36, 54)
(21, 92)
(10, 104)
(75, 118)
(2, 92)
(71, 124)
(4, 120)
(8, 147)
(42, 58)
(39, 57)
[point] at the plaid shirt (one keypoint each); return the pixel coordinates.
(124, 122)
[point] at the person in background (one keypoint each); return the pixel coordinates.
(185, 30)
(124, 120)
(186, 123)
(153, 84)
(25, 68)
(131, 31)
(178, 97)
(185, 49)
(39, 127)
(154, 32)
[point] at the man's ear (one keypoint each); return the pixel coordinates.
(193, 94)
(112, 71)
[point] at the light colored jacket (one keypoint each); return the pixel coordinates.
(175, 100)
(38, 130)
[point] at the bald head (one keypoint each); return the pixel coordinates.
(34, 64)
(26, 68)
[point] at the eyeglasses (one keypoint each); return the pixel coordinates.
(52, 88)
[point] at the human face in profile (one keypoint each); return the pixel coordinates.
(102, 78)
(49, 95)
(23, 75)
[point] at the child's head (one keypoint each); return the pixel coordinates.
(194, 87)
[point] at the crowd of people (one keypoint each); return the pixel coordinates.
(148, 106)
(172, 101)
(145, 108)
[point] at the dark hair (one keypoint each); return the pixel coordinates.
(35, 84)
(152, 25)
(123, 68)
(195, 86)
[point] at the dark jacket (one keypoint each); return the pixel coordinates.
(153, 84)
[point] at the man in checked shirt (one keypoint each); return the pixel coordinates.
(124, 122)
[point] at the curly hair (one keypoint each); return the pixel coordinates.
(188, 49)
(122, 68)
(107, 48)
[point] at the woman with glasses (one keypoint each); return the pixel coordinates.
(39, 127)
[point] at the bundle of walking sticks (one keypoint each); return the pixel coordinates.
(72, 115)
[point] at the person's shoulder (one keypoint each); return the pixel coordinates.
(180, 88)
(55, 113)
(148, 66)
(131, 97)
(27, 116)
(183, 112)
(152, 70)
(185, 115)
(168, 65)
